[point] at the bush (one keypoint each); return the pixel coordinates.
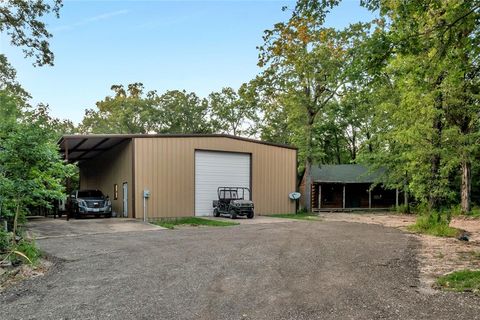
(435, 224)
(5, 238)
(403, 209)
(29, 249)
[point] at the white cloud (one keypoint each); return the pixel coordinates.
(100, 17)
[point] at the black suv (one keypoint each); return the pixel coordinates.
(90, 202)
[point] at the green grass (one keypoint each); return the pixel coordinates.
(464, 280)
(298, 216)
(431, 225)
(192, 221)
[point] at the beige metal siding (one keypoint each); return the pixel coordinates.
(166, 167)
(110, 168)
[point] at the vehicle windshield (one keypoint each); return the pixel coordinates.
(90, 194)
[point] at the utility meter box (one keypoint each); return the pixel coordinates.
(146, 193)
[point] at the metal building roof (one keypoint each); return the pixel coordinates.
(79, 147)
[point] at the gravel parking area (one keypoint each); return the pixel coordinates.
(291, 270)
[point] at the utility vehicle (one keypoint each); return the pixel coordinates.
(233, 201)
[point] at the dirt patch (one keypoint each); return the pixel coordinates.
(437, 256)
(12, 275)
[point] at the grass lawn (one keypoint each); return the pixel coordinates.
(298, 216)
(464, 280)
(192, 221)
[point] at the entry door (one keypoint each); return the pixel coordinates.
(125, 199)
(218, 169)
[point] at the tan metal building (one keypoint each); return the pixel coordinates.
(182, 172)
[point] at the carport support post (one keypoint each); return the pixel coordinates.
(67, 183)
(343, 197)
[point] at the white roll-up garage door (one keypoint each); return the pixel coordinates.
(218, 169)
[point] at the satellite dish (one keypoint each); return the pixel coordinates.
(294, 195)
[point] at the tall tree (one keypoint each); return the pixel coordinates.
(130, 110)
(305, 64)
(22, 21)
(181, 112)
(31, 171)
(233, 112)
(431, 48)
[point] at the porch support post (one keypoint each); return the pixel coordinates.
(319, 196)
(369, 198)
(343, 197)
(396, 197)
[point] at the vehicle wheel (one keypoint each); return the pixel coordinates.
(233, 214)
(108, 215)
(59, 214)
(250, 215)
(216, 213)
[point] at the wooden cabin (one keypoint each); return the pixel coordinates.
(347, 187)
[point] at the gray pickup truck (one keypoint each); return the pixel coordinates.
(90, 202)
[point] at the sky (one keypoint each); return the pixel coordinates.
(199, 46)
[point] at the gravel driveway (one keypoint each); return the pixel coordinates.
(294, 270)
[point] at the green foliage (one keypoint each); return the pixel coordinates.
(403, 209)
(31, 171)
(233, 112)
(21, 21)
(27, 248)
(463, 280)
(5, 238)
(192, 221)
(434, 224)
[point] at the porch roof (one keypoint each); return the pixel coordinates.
(345, 173)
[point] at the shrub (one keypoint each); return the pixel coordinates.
(404, 209)
(29, 249)
(435, 224)
(5, 238)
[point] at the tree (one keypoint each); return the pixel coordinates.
(431, 54)
(31, 171)
(181, 112)
(21, 21)
(306, 67)
(128, 111)
(233, 112)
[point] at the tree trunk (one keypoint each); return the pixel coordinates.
(434, 196)
(308, 163)
(15, 223)
(466, 185)
(337, 148)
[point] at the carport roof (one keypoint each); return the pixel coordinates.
(83, 147)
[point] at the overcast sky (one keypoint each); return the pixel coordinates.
(193, 45)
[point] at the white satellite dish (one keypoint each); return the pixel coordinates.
(294, 195)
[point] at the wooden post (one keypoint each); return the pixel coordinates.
(343, 196)
(369, 198)
(396, 197)
(68, 203)
(319, 196)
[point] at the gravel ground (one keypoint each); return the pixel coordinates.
(294, 270)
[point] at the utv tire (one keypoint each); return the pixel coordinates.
(216, 213)
(233, 214)
(250, 215)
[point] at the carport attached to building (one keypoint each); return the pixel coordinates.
(182, 172)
